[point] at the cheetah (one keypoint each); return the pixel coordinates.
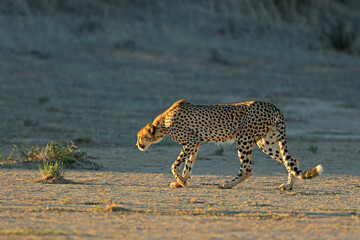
(245, 123)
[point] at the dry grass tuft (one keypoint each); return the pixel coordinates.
(112, 207)
(52, 180)
(52, 173)
(115, 208)
(67, 155)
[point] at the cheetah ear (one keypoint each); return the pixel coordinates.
(150, 128)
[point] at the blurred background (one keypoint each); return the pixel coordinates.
(96, 71)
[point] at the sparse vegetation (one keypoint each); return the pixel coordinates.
(53, 152)
(82, 140)
(128, 44)
(56, 152)
(112, 208)
(29, 232)
(89, 25)
(44, 99)
(313, 149)
(39, 54)
(340, 35)
(51, 172)
(11, 156)
(219, 151)
(215, 56)
(30, 122)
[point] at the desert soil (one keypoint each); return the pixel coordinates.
(130, 197)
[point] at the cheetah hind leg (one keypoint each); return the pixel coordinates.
(270, 145)
(289, 185)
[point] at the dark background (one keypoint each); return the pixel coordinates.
(96, 71)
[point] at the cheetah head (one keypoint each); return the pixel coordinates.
(147, 136)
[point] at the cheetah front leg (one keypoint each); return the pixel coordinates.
(175, 168)
(290, 183)
(187, 154)
(190, 162)
(245, 148)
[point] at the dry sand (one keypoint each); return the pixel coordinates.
(129, 196)
(133, 200)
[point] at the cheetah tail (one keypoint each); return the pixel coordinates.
(312, 172)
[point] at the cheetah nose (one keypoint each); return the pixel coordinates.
(140, 145)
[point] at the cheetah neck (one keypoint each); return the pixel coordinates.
(159, 124)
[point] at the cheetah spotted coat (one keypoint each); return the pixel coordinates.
(246, 123)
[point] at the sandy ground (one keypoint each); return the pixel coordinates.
(133, 200)
(129, 196)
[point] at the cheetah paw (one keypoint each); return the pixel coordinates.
(286, 187)
(176, 185)
(225, 186)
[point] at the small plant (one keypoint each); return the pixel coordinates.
(339, 35)
(128, 44)
(40, 54)
(110, 207)
(30, 122)
(10, 157)
(215, 56)
(30, 233)
(44, 99)
(219, 151)
(52, 172)
(90, 25)
(313, 149)
(51, 152)
(17, 154)
(56, 152)
(82, 140)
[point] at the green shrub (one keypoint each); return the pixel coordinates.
(56, 152)
(219, 151)
(313, 149)
(216, 57)
(89, 25)
(44, 99)
(339, 35)
(51, 171)
(52, 152)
